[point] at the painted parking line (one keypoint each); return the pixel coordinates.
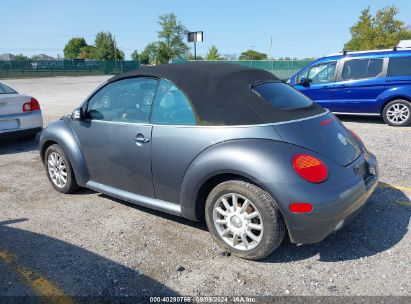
(39, 284)
(404, 203)
(402, 188)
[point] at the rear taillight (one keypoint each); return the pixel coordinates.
(310, 168)
(300, 207)
(32, 105)
(326, 122)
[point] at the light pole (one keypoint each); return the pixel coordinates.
(195, 37)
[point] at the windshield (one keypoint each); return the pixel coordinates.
(282, 96)
(6, 90)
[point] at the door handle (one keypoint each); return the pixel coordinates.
(141, 139)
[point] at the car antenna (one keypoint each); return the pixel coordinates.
(345, 52)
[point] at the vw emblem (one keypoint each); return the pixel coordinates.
(342, 139)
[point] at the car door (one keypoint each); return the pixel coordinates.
(176, 140)
(321, 79)
(359, 84)
(115, 135)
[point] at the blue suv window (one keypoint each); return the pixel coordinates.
(362, 68)
(322, 73)
(399, 66)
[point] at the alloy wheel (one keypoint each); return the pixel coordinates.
(57, 169)
(398, 113)
(238, 222)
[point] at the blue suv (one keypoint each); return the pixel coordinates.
(374, 83)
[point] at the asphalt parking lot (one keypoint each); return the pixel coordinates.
(90, 244)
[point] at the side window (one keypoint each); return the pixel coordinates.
(303, 73)
(362, 68)
(127, 100)
(171, 106)
(322, 73)
(399, 66)
(374, 67)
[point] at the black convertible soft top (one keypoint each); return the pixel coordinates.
(221, 93)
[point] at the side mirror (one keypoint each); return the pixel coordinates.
(77, 114)
(304, 82)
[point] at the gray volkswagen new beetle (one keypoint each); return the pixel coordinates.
(231, 144)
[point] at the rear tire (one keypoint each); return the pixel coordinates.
(252, 233)
(397, 113)
(59, 170)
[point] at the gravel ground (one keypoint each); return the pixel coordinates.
(90, 244)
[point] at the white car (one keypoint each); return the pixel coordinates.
(20, 115)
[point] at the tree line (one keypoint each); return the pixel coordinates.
(379, 31)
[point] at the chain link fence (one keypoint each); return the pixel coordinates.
(75, 67)
(283, 69)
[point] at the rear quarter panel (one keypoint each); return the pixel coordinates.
(268, 163)
(174, 148)
(397, 88)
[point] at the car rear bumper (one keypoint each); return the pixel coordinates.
(333, 211)
(21, 123)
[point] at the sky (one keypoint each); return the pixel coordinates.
(298, 28)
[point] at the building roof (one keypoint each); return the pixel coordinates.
(7, 56)
(221, 93)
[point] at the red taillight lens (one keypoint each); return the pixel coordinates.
(33, 105)
(310, 168)
(300, 207)
(326, 122)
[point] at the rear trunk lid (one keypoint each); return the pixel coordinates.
(12, 103)
(324, 135)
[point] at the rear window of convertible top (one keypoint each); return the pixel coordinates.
(282, 96)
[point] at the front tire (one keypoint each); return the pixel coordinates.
(397, 113)
(59, 170)
(244, 219)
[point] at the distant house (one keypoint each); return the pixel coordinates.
(43, 57)
(7, 57)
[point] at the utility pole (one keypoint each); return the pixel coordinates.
(271, 47)
(115, 48)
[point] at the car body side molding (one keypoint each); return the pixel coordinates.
(136, 198)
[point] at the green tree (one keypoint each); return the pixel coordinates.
(87, 52)
(164, 53)
(135, 56)
(377, 32)
(252, 55)
(212, 53)
(149, 54)
(20, 57)
(170, 44)
(172, 36)
(106, 47)
(73, 47)
(191, 57)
